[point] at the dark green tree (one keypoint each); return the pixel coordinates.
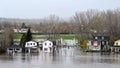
(25, 38)
(28, 35)
(22, 42)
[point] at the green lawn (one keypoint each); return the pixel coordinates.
(68, 37)
(63, 36)
(18, 36)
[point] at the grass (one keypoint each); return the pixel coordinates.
(63, 36)
(68, 37)
(18, 36)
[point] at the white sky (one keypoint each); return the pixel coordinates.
(42, 8)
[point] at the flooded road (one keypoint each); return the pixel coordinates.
(63, 58)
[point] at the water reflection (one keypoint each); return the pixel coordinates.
(63, 57)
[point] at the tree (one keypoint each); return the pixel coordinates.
(25, 38)
(28, 35)
(7, 35)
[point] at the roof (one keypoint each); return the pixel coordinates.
(117, 40)
(47, 41)
(14, 46)
(115, 46)
(31, 41)
(100, 38)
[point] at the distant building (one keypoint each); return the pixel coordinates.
(98, 43)
(47, 46)
(14, 49)
(31, 46)
(116, 46)
(23, 28)
(69, 42)
(117, 43)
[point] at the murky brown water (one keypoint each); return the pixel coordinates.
(64, 58)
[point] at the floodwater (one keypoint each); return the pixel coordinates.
(64, 58)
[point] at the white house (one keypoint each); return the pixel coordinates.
(116, 46)
(94, 45)
(47, 46)
(23, 30)
(31, 46)
(117, 43)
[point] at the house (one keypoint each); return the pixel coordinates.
(72, 42)
(31, 46)
(116, 46)
(47, 46)
(94, 45)
(14, 49)
(98, 43)
(23, 28)
(117, 43)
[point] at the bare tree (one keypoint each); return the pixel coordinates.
(7, 35)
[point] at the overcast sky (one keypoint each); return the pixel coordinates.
(42, 8)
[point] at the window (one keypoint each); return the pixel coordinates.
(17, 49)
(116, 44)
(96, 37)
(45, 49)
(102, 38)
(27, 43)
(95, 43)
(96, 47)
(45, 43)
(92, 42)
(49, 43)
(10, 49)
(103, 42)
(33, 43)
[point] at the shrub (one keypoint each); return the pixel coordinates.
(2, 50)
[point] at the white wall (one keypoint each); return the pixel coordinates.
(96, 48)
(69, 42)
(47, 45)
(31, 44)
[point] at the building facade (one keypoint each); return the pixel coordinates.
(98, 43)
(31, 46)
(47, 46)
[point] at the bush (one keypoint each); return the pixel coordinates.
(2, 50)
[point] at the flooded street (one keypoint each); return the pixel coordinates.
(63, 58)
